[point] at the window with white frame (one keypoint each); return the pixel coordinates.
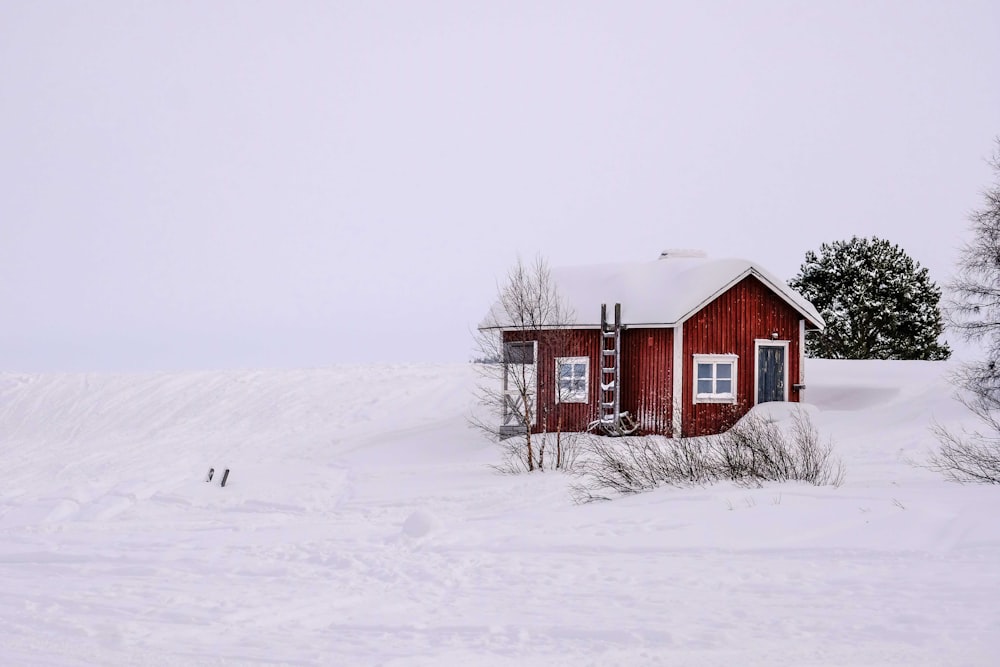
(519, 352)
(572, 379)
(715, 378)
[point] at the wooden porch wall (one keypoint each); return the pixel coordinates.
(647, 379)
(729, 325)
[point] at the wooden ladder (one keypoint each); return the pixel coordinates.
(610, 418)
(611, 371)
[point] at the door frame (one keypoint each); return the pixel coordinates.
(768, 342)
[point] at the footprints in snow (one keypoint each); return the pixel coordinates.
(78, 506)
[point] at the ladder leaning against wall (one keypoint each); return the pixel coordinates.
(611, 420)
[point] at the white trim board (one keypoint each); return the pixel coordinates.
(677, 373)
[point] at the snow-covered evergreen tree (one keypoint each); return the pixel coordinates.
(878, 303)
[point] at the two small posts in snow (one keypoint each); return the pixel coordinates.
(211, 473)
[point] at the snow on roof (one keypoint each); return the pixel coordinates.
(661, 292)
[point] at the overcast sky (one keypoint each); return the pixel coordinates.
(271, 184)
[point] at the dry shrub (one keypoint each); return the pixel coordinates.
(966, 457)
(549, 451)
(755, 450)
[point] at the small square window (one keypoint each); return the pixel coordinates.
(715, 378)
(519, 352)
(572, 380)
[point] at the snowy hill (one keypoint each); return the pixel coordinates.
(362, 525)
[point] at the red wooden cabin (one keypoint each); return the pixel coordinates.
(695, 344)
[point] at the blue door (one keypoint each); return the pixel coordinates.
(770, 373)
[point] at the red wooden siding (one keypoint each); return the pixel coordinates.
(647, 380)
(729, 325)
(553, 416)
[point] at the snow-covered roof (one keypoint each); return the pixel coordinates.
(661, 292)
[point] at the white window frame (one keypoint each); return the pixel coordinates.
(574, 397)
(714, 359)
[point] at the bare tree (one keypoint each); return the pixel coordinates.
(973, 310)
(534, 315)
(974, 304)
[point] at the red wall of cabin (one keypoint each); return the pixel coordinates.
(647, 378)
(553, 416)
(730, 325)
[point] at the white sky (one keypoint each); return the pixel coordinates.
(205, 185)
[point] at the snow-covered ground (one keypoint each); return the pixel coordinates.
(362, 525)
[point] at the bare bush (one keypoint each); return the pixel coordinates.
(628, 465)
(966, 457)
(634, 464)
(758, 450)
(753, 451)
(549, 451)
(971, 456)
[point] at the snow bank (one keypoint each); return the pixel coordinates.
(329, 546)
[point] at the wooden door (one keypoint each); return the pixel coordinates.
(770, 373)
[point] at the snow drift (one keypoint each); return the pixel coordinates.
(361, 524)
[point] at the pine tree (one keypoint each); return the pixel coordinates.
(878, 303)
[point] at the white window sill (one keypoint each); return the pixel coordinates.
(714, 398)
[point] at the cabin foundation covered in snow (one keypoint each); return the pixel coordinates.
(680, 346)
